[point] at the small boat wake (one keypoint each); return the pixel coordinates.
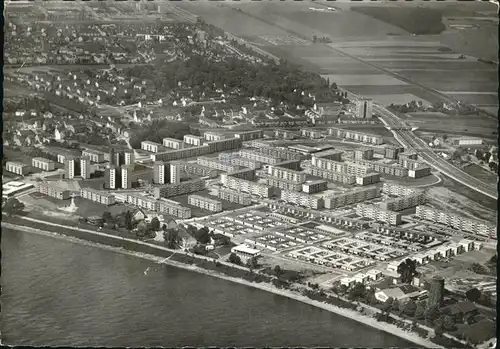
(147, 270)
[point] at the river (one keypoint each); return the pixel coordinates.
(58, 293)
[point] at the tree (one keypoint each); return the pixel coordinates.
(128, 220)
(107, 217)
(252, 263)
(155, 224)
(431, 314)
(202, 235)
(395, 305)
(473, 295)
(357, 292)
(387, 306)
(278, 271)
(407, 270)
(234, 258)
(448, 323)
(479, 269)
(410, 308)
(420, 310)
(171, 238)
(13, 206)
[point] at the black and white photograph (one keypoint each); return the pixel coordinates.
(249, 174)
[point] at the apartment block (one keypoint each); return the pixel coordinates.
(369, 178)
(61, 158)
(51, 189)
(376, 213)
(281, 153)
(456, 221)
(404, 202)
(245, 173)
(173, 143)
(244, 185)
(196, 170)
(193, 140)
(393, 151)
(331, 176)
(178, 154)
(352, 197)
(43, 164)
(126, 173)
(72, 167)
(85, 167)
(286, 174)
(331, 154)
(97, 196)
(249, 135)
(291, 164)
(364, 108)
(302, 199)
(205, 203)
(312, 187)
(363, 154)
(284, 134)
(410, 164)
(311, 133)
(215, 164)
(129, 158)
(235, 196)
(173, 208)
(212, 136)
(224, 144)
(258, 143)
(161, 172)
(235, 160)
(152, 147)
(419, 172)
(355, 136)
(112, 177)
(281, 183)
(181, 188)
(408, 155)
(93, 155)
(388, 169)
(398, 190)
(17, 168)
(175, 173)
(260, 157)
(346, 167)
(143, 201)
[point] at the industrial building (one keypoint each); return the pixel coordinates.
(467, 141)
(53, 190)
(312, 187)
(182, 188)
(355, 136)
(234, 196)
(352, 197)
(376, 213)
(205, 203)
(302, 199)
(97, 196)
(17, 168)
(456, 221)
(152, 147)
(193, 140)
(43, 164)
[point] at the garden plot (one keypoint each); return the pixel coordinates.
(364, 79)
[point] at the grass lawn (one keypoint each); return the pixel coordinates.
(481, 174)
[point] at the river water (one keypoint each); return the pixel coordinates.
(58, 293)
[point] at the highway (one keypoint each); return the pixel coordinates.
(409, 140)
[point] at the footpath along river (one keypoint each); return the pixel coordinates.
(56, 292)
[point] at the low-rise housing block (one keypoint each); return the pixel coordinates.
(205, 203)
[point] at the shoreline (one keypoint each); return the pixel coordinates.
(353, 315)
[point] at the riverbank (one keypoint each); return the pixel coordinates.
(389, 328)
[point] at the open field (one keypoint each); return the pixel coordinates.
(364, 79)
(482, 174)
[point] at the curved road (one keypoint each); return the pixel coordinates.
(409, 140)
